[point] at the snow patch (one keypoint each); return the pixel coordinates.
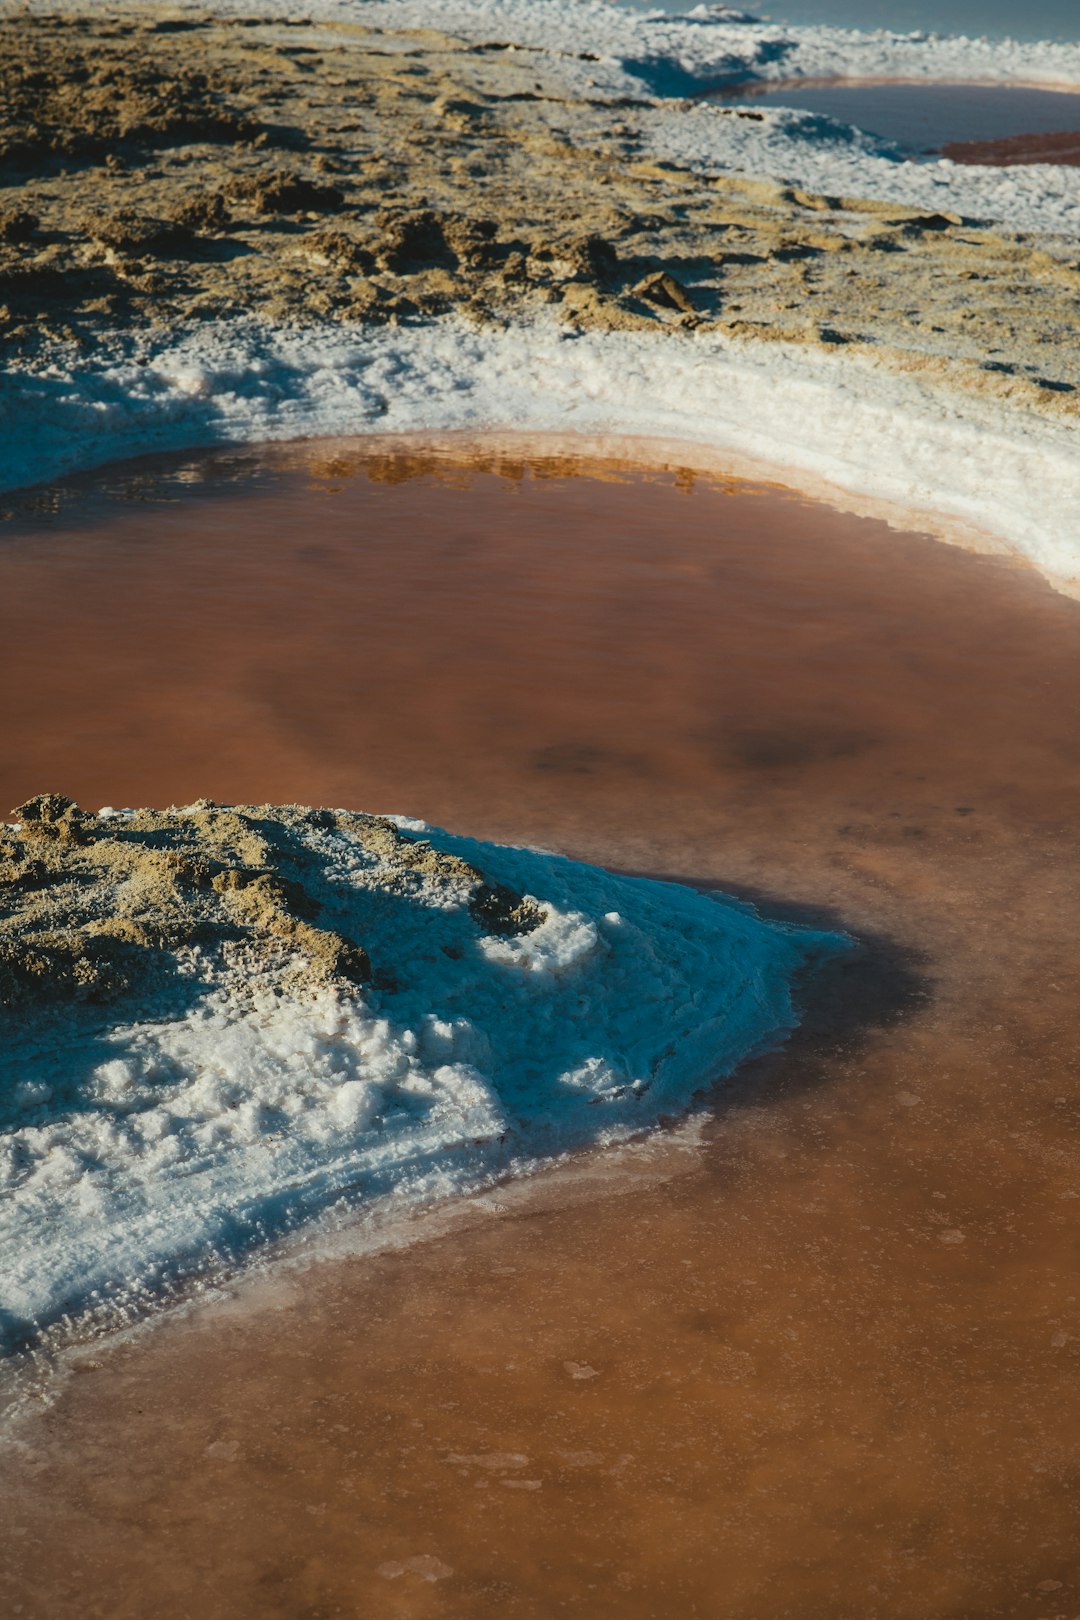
(135, 1153)
(870, 431)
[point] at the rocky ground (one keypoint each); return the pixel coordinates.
(93, 909)
(166, 169)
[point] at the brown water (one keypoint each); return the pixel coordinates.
(1010, 150)
(823, 1364)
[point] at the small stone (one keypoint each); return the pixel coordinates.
(223, 1450)
(280, 191)
(663, 291)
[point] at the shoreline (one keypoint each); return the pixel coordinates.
(908, 447)
(585, 448)
(224, 1021)
(33, 1380)
(347, 224)
(857, 82)
(1012, 150)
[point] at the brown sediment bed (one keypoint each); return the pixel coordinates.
(166, 170)
(821, 1361)
(1059, 147)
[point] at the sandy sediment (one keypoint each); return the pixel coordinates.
(165, 170)
(94, 908)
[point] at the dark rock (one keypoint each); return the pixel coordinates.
(126, 231)
(340, 252)
(17, 225)
(664, 292)
(203, 215)
(501, 910)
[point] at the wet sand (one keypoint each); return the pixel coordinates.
(822, 1363)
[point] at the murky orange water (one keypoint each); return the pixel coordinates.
(822, 1364)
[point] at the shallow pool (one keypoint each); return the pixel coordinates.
(924, 118)
(819, 1360)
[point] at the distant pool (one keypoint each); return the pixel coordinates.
(926, 117)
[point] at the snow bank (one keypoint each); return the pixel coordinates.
(134, 1153)
(822, 416)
